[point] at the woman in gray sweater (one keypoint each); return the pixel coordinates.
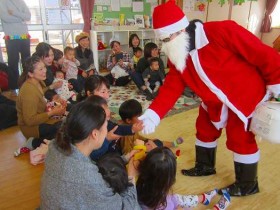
(71, 180)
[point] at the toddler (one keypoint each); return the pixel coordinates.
(157, 175)
(70, 66)
(118, 71)
(129, 112)
(137, 54)
(152, 76)
(64, 91)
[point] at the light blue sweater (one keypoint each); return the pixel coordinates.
(14, 24)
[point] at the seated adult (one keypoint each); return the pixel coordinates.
(119, 64)
(84, 55)
(150, 51)
(71, 180)
(33, 119)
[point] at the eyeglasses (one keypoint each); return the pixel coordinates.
(167, 39)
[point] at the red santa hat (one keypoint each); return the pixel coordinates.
(168, 18)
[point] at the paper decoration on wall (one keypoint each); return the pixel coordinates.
(200, 5)
(137, 6)
(103, 2)
(235, 2)
(126, 3)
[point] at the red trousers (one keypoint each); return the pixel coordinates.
(239, 140)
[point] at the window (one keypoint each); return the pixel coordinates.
(276, 16)
(56, 22)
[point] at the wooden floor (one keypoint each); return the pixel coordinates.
(20, 181)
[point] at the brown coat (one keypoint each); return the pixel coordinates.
(31, 109)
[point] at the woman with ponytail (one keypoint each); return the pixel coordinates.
(71, 180)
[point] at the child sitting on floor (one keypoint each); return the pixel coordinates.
(121, 130)
(157, 175)
(152, 76)
(129, 112)
(52, 100)
(64, 91)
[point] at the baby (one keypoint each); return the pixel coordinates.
(64, 91)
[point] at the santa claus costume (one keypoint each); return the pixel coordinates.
(232, 71)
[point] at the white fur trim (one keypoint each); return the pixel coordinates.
(200, 36)
(165, 32)
(223, 118)
(206, 144)
(247, 159)
(153, 116)
(274, 90)
(222, 97)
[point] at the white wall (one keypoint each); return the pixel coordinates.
(249, 15)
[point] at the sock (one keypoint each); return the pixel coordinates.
(28, 143)
(21, 150)
(208, 196)
(186, 200)
(224, 201)
(178, 141)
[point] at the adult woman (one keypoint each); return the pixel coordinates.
(45, 52)
(134, 42)
(84, 55)
(119, 63)
(71, 180)
(150, 51)
(33, 119)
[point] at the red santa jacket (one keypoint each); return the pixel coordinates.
(233, 69)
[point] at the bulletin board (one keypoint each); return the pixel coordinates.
(105, 11)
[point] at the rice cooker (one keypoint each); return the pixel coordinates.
(266, 121)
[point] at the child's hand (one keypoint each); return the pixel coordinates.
(56, 85)
(84, 74)
(129, 155)
(136, 127)
(111, 136)
(57, 110)
(132, 169)
(70, 86)
(150, 145)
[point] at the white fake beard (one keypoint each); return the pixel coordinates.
(177, 50)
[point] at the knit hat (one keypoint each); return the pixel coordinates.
(80, 36)
(168, 18)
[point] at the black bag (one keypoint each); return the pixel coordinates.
(8, 113)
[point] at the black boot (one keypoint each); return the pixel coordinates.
(205, 162)
(246, 180)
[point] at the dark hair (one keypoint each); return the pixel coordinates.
(49, 94)
(153, 59)
(57, 54)
(43, 49)
(68, 49)
(191, 31)
(58, 71)
(113, 170)
(113, 42)
(130, 109)
(96, 100)
(83, 118)
(28, 66)
(136, 49)
(92, 83)
(148, 49)
(131, 38)
(157, 175)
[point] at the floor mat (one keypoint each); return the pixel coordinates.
(120, 94)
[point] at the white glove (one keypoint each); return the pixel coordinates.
(150, 120)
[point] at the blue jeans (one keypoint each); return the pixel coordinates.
(137, 79)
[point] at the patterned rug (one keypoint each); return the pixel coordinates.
(120, 94)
